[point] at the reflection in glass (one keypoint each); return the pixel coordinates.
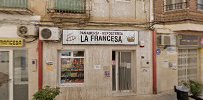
(4, 75)
(20, 84)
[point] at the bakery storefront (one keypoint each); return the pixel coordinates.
(97, 63)
(72, 61)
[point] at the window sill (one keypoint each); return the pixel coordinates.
(130, 93)
(72, 85)
(200, 10)
(174, 10)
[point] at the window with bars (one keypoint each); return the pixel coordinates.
(187, 64)
(70, 6)
(200, 4)
(175, 5)
(13, 3)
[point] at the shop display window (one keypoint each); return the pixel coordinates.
(72, 67)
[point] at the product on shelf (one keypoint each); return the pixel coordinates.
(72, 70)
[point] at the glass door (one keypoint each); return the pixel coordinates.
(20, 75)
(4, 75)
(124, 70)
(13, 75)
(121, 71)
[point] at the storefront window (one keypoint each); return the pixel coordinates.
(72, 67)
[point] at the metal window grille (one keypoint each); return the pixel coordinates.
(176, 6)
(68, 6)
(200, 4)
(187, 64)
(14, 3)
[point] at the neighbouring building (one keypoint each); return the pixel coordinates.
(15, 49)
(91, 49)
(179, 28)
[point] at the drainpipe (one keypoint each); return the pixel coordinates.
(151, 19)
(40, 66)
(154, 62)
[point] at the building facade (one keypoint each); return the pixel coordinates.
(178, 24)
(15, 49)
(98, 54)
(90, 49)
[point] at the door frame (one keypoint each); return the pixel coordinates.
(117, 73)
(10, 52)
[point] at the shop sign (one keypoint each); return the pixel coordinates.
(10, 42)
(188, 40)
(99, 37)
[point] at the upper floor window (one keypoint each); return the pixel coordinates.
(200, 4)
(68, 6)
(16, 7)
(175, 5)
(13, 4)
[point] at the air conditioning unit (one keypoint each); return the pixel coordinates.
(49, 33)
(165, 40)
(27, 30)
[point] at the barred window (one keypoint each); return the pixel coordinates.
(187, 64)
(175, 5)
(200, 4)
(67, 6)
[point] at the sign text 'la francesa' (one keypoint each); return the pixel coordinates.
(99, 37)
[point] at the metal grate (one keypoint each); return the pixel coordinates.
(67, 6)
(187, 64)
(13, 3)
(176, 6)
(200, 6)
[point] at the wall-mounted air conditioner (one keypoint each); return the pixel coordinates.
(166, 40)
(49, 33)
(27, 30)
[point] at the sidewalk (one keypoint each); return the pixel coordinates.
(160, 96)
